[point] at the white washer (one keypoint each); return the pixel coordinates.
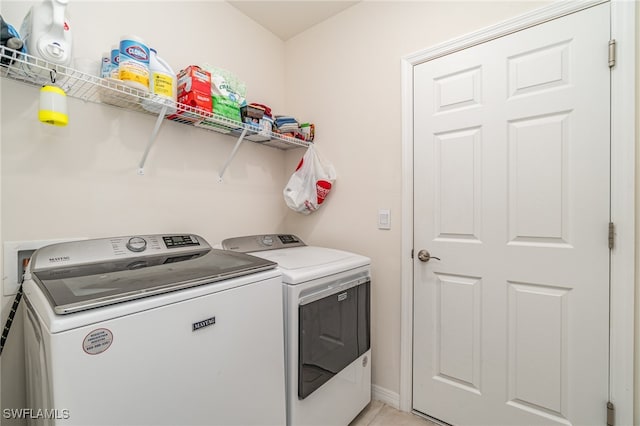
(153, 330)
(327, 327)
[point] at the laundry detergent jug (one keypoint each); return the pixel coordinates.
(163, 86)
(46, 32)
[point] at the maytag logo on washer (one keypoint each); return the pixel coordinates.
(204, 323)
(59, 259)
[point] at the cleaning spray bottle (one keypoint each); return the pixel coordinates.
(46, 32)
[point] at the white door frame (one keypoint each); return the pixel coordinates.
(623, 188)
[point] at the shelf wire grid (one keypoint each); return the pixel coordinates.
(34, 71)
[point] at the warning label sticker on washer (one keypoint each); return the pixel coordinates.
(97, 341)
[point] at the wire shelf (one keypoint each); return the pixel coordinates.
(37, 72)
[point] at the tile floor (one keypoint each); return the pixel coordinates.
(380, 414)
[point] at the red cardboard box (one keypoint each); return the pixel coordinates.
(194, 90)
(194, 87)
(196, 100)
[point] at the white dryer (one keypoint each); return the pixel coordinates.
(153, 330)
(327, 296)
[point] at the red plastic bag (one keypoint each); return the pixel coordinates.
(310, 184)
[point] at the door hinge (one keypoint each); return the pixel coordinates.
(412, 253)
(611, 414)
(612, 235)
(612, 53)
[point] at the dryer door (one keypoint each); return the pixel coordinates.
(333, 332)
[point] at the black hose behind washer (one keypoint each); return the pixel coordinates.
(12, 314)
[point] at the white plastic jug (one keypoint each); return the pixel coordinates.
(46, 32)
(163, 85)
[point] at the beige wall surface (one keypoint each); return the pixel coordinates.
(346, 73)
(343, 75)
(82, 181)
(636, 385)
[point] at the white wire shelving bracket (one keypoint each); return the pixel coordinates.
(76, 84)
(152, 139)
(232, 155)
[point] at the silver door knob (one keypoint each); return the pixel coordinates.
(425, 256)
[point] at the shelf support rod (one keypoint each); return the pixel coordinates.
(152, 139)
(233, 154)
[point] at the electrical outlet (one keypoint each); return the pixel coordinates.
(23, 261)
(16, 258)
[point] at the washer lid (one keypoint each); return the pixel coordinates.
(71, 288)
(301, 264)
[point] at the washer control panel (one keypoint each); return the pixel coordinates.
(106, 249)
(263, 242)
(176, 241)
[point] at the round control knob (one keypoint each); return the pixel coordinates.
(267, 240)
(137, 244)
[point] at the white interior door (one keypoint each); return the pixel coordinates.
(511, 192)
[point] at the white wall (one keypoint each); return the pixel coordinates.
(81, 181)
(343, 75)
(636, 386)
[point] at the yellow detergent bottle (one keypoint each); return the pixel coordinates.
(163, 86)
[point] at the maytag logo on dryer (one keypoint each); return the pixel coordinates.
(59, 259)
(204, 323)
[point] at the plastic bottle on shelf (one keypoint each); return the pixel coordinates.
(163, 85)
(110, 61)
(115, 62)
(46, 32)
(133, 66)
(105, 65)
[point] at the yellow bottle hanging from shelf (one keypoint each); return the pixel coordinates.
(53, 106)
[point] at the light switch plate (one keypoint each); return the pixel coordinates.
(384, 219)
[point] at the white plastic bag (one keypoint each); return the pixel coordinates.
(310, 184)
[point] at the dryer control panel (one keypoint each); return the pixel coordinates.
(262, 242)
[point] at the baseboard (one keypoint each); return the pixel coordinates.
(381, 394)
